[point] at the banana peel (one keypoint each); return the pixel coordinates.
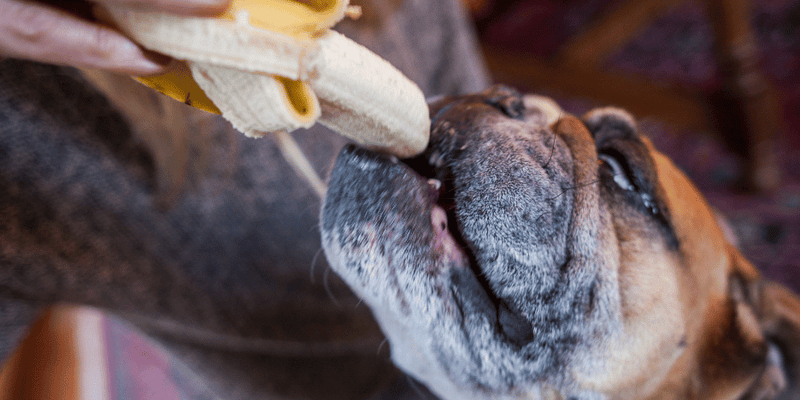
(179, 84)
(274, 65)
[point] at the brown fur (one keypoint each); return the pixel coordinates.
(722, 312)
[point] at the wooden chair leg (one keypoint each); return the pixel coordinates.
(613, 31)
(751, 111)
(680, 107)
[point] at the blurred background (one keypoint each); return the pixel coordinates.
(716, 85)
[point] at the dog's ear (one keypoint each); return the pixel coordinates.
(744, 353)
(734, 350)
(768, 316)
(780, 320)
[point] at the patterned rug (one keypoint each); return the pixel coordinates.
(677, 49)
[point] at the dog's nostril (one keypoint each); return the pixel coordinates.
(516, 328)
(512, 106)
(439, 219)
(507, 100)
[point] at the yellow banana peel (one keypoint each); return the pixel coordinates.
(179, 84)
(258, 104)
(298, 18)
(271, 65)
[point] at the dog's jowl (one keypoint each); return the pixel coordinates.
(531, 254)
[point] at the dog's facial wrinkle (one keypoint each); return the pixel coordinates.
(546, 299)
(511, 324)
(507, 100)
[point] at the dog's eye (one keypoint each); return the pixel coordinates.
(622, 174)
(615, 162)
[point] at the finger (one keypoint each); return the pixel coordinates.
(36, 32)
(179, 7)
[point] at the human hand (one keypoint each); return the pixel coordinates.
(67, 33)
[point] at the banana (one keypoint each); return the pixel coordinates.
(257, 104)
(252, 35)
(273, 65)
(365, 96)
(179, 84)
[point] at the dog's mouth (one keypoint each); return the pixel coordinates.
(482, 205)
(431, 166)
(445, 222)
(434, 189)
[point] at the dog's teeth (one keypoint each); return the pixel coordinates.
(394, 159)
(435, 183)
(436, 160)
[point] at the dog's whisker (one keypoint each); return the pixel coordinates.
(552, 150)
(327, 287)
(314, 265)
(578, 186)
(553, 143)
(380, 346)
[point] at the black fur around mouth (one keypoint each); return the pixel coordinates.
(430, 166)
(364, 183)
(494, 177)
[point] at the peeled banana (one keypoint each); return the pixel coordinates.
(362, 93)
(272, 65)
(256, 104)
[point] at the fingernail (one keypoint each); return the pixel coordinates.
(203, 6)
(145, 62)
(210, 2)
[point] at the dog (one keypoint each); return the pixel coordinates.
(531, 254)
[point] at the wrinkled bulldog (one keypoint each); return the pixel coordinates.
(531, 254)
